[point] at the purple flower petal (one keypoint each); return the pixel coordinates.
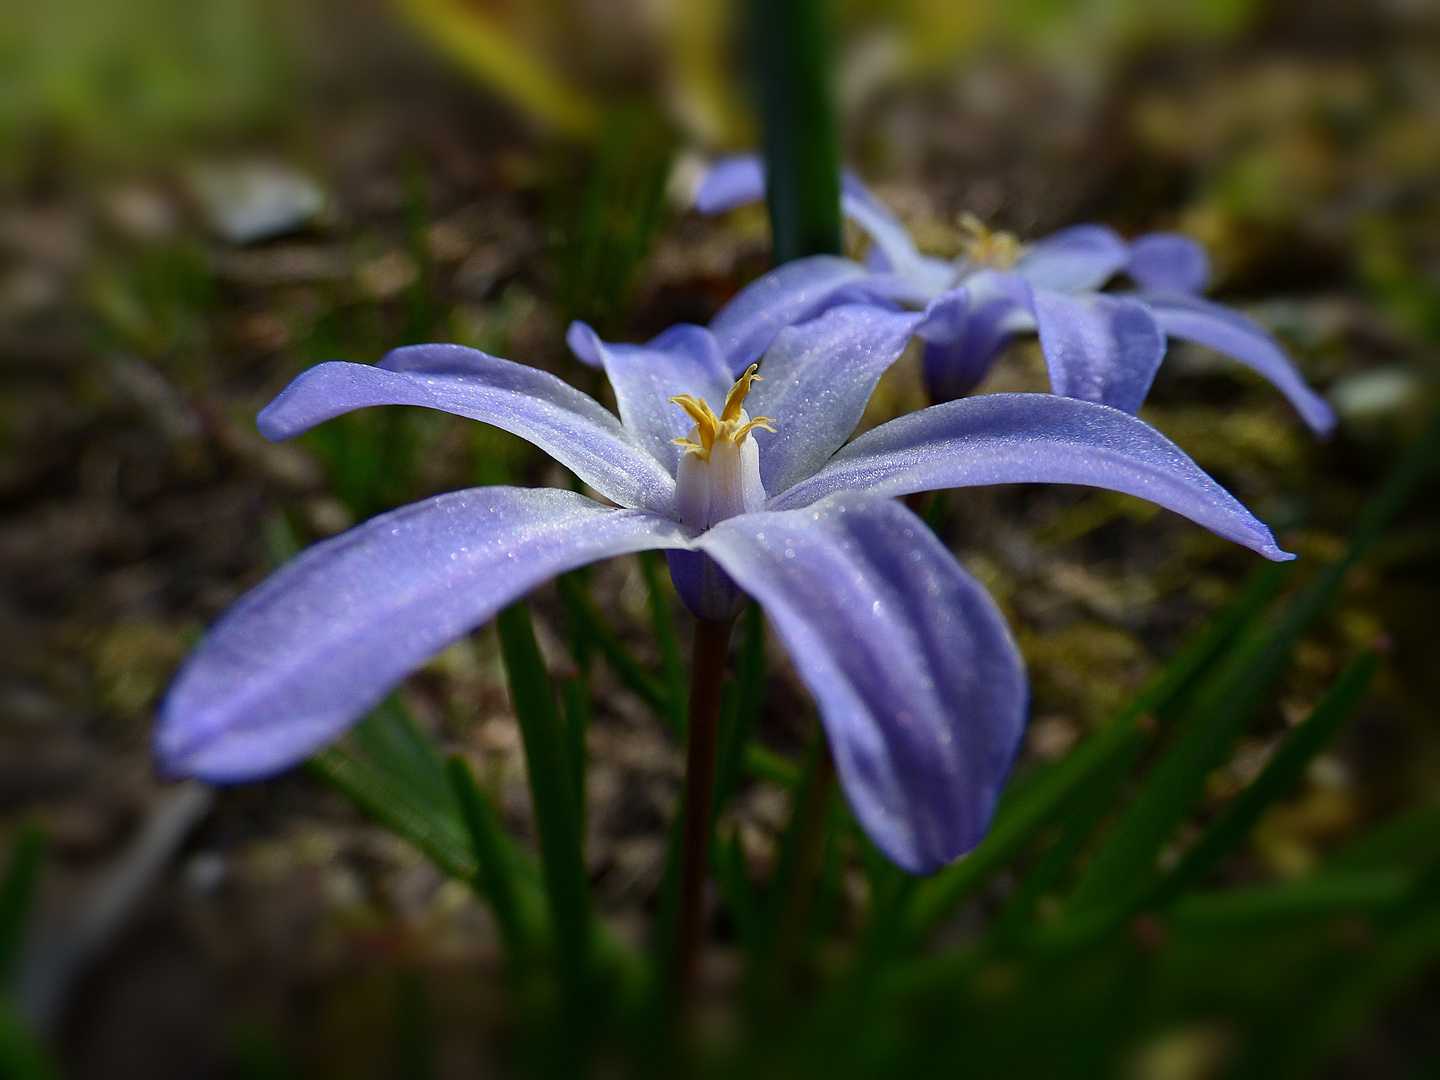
(816, 380)
(568, 425)
(1032, 438)
(789, 294)
(1078, 259)
(734, 181)
(964, 331)
(1099, 349)
(892, 240)
(1191, 318)
(1168, 262)
(682, 360)
(314, 647)
(731, 182)
(921, 689)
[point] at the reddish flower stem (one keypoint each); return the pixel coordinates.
(707, 670)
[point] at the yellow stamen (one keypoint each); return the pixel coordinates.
(736, 397)
(998, 250)
(726, 426)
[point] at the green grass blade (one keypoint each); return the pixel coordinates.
(552, 791)
(738, 722)
(732, 872)
(495, 878)
(575, 697)
(1030, 803)
(627, 669)
(393, 772)
(408, 753)
(1279, 776)
(1224, 706)
(1321, 896)
(17, 894)
(1408, 944)
(673, 665)
(792, 885)
(1410, 840)
(765, 764)
(608, 218)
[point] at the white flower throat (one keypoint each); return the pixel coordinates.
(719, 472)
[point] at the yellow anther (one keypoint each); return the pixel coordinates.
(766, 422)
(736, 397)
(725, 427)
(998, 250)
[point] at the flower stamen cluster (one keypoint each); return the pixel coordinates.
(995, 249)
(731, 426)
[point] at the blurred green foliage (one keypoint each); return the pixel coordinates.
(125, 82)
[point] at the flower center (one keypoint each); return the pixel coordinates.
(997, 250)
(719, 472)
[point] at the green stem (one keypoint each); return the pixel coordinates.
(802, 141)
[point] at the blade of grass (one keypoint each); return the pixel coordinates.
(1280, 775)
(1321, 896)
(410, 755)
(575, 697)
(676, 685)
(552, 791)
(732, 871)
(791, 888)
(1028, 805)
(1411, 839)
(495, 876)
(393, 788)
(765, 764)
(738, 722)
(1408, 943)
(627, 669)
(1220, 710)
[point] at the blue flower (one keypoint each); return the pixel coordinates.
(1098, 346)
(920, 687)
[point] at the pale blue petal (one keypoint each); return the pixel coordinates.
(1099, 348)
(1081, 258)
(568, 425)
(815, 382)
(1191, 318)
(1032, 438)
(898, 252)
(731, 182)
(319, 643)
(789, 294)
(1168, 262)
(921, 689)
(964, 331)
(682, 360)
